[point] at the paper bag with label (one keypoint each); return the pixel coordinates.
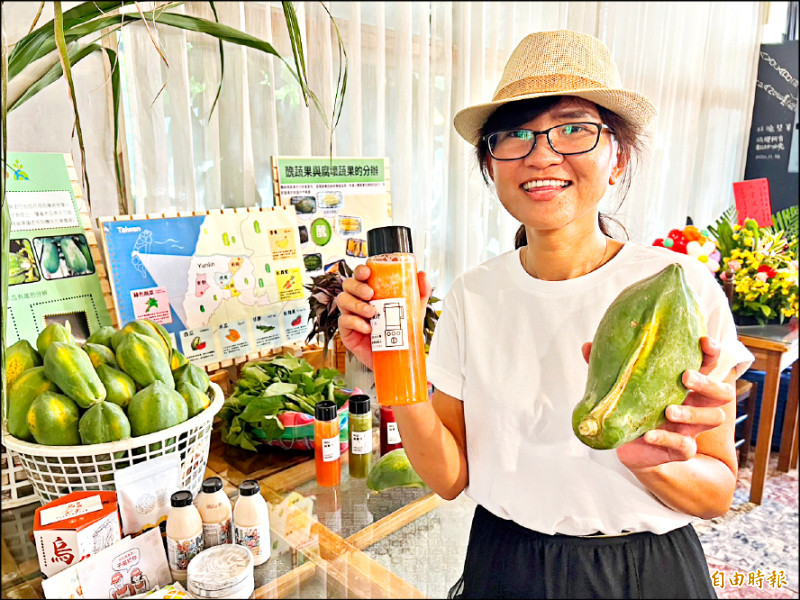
(143, 492)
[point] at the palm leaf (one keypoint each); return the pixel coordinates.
(788, 221)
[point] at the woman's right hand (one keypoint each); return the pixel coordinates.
(354, 326)
(356, 311)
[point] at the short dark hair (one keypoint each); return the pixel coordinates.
(630, 138)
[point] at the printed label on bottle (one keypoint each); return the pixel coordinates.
(181, 551)
(392, 434)
(256, 538)
(215, 534)
(330, 449)
(362, 442)
(389, 325)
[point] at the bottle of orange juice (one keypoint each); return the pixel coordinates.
(398, 350)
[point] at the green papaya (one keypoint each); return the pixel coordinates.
(50, 257)
(141, 357)
(102, 336)
(54, 332)
(100, 354)
(73, 257)
(191, 373)
(120, 387)
(647, 338)
(156, 407)
(104, 422)
(21, 395)
(144, 327)
(71, 369)
(393, 469)
(176, 360)
(196, 401)
(20, 356)
(53, 420)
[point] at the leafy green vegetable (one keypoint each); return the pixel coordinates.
(267, 388)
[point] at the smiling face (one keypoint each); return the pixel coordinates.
(549, 192)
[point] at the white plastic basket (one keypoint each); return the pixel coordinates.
(58, 470)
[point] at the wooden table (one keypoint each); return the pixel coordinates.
(775, 348)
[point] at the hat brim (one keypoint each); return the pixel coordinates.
(631, 106)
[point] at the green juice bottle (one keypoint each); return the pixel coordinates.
(360, 426)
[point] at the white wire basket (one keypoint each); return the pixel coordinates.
(58, 470)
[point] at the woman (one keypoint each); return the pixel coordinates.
(509, 357)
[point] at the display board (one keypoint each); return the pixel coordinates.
(336, 202)
(772, 149)
(226, 284)
(53, 269)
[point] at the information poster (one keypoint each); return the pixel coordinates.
(52, 275)
(224, 284)
(336, 202)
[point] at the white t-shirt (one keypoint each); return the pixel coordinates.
(509, 346)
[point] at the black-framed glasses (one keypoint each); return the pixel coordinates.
(567, 139)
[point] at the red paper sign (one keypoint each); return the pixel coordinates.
(752, 201)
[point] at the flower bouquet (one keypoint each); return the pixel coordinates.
(759, 269)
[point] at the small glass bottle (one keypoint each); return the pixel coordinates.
(184, 533)
(251, 521)
(360, 426)
(215, 509)
(390, 434)
(398, 347)
(327, 451)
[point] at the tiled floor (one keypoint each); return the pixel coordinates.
(756, 544)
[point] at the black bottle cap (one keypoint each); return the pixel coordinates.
(325, 410)
(181, 498)
(359, 404)
(212, 484)
(392, 238)
(249, 487)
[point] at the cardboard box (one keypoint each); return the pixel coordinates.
(74, 527)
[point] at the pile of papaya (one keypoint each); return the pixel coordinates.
(120, 383)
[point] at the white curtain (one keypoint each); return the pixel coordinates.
(412, 66)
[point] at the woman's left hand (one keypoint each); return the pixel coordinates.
(676, 440)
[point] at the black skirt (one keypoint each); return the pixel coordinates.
(506, 560)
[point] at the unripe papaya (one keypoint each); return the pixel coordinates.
(20, 357)
(26, 388)
(144, 327)
(156, 407)
(647, 338)
(50, 257)
(104, 422)
(393, 469)
(100, 354)
(71, 369)
(55, 332)
(120, 388)
(196, 401)
(176, 360)
(141, 357)
(102, 336)
(74, 258)
(53, 420)
(191, 373)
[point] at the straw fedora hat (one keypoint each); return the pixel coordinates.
(558, 63)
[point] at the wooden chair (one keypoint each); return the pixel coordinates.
(746, 394)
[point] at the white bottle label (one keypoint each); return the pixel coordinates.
(181, 551)
(330, 449)
(362, 442)
(389, 325)
(392, 433)
(215, 534)
(256, 538)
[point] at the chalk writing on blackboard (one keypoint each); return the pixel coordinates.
(752, 201)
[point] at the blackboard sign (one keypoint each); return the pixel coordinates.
(773, 132)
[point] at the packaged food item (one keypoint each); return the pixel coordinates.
(397, 341)
(144, 490)
(251, 521)
(327, 452)
(215, 510)
(173, 590)
(390, 434)
(184, 533)
(224, 571)
(74, 527)
(360, 429)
